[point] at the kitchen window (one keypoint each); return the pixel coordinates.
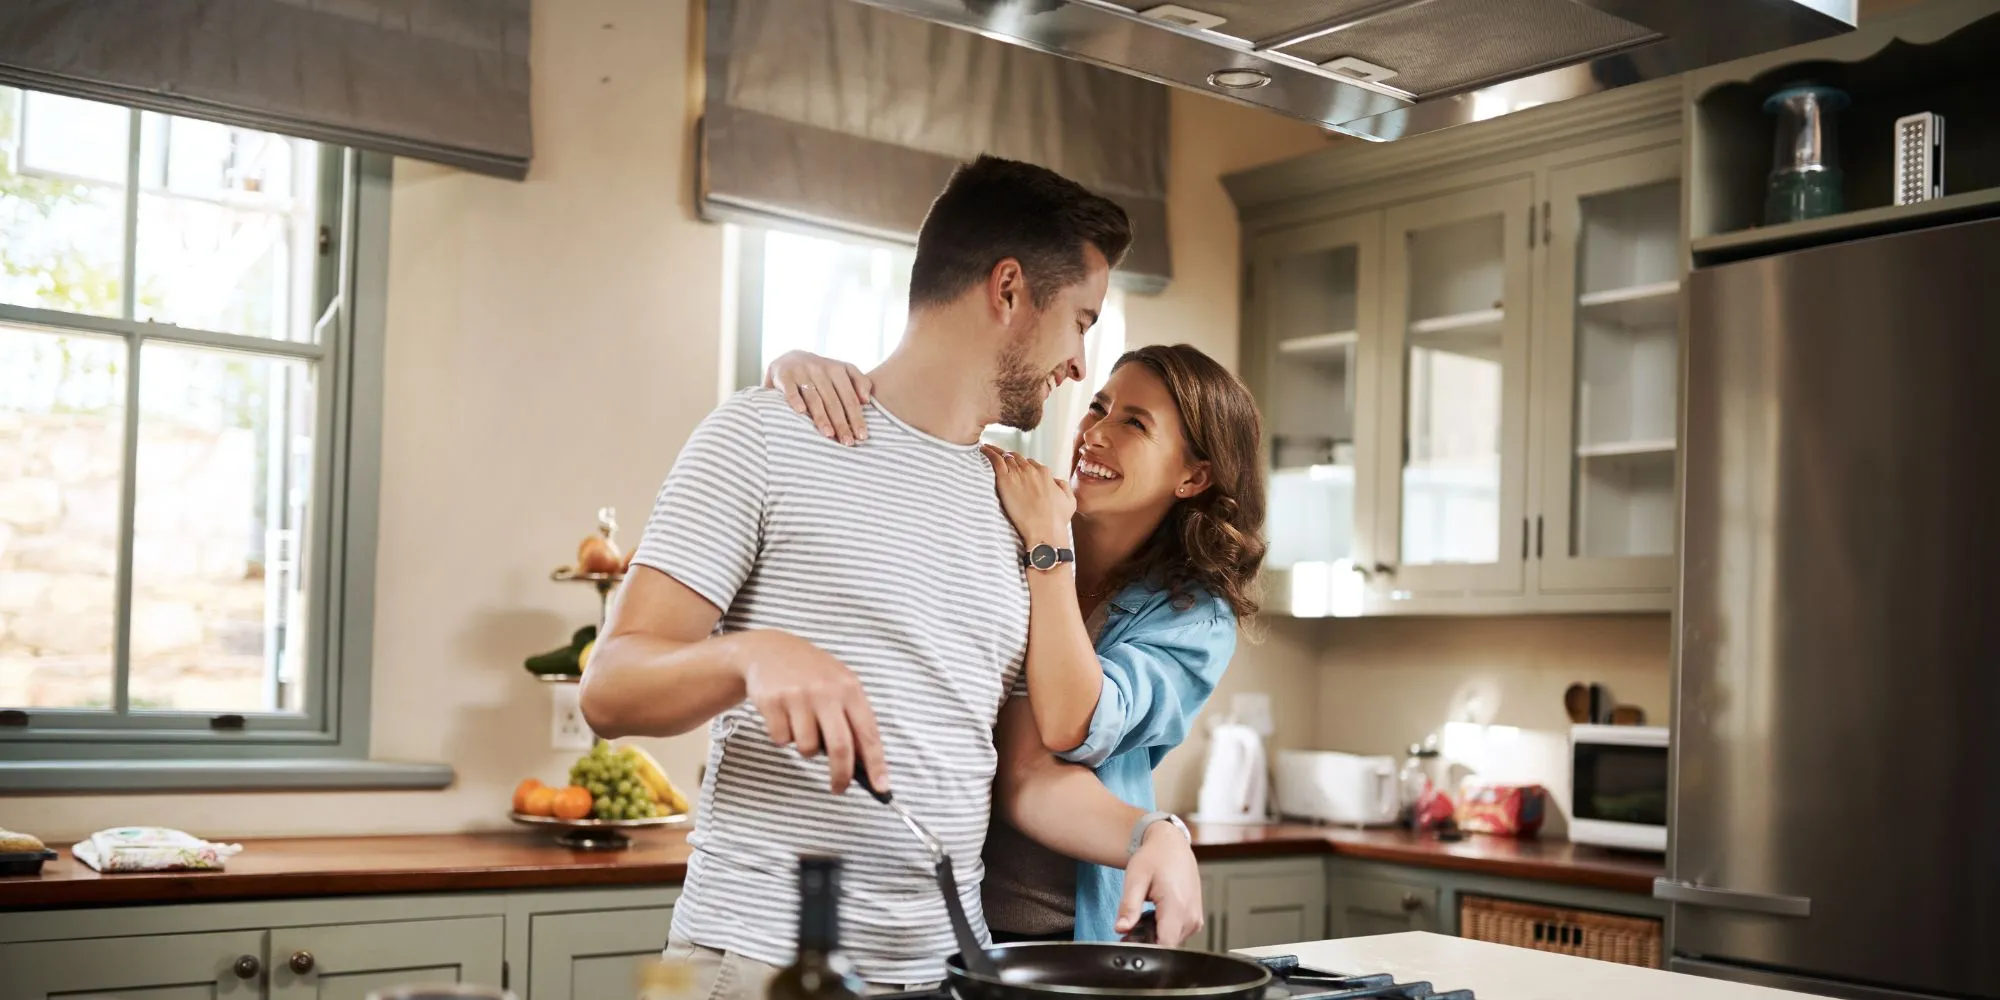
(849, 300)
(189, 384)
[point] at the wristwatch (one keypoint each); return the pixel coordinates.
(1047, 557)
(1146, 823)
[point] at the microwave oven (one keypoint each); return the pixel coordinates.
(1618, 787)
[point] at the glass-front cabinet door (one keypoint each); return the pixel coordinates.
(1314, 315)
(1609, 368)
(1451, 505)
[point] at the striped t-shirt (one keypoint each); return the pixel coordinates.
(894, 557)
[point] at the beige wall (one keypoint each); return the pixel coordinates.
(551, 343)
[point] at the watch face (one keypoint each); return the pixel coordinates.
(1042, 557)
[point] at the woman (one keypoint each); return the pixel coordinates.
(1166, 507)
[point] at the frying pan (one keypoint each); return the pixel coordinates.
(1065, 970)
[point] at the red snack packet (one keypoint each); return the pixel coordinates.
(1507, 810)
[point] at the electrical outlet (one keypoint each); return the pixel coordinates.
(567, 730)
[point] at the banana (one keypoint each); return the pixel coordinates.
(655, 779)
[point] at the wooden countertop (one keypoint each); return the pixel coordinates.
(1541, 860)
(466, 862)
(352, 866)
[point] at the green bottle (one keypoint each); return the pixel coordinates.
(819, 972)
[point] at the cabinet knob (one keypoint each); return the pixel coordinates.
(302, 962)
(247, 967)
(1412, 902)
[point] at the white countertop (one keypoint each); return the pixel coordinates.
(1502, 972)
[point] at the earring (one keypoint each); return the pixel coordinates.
(1181, 492)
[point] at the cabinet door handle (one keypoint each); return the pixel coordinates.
(247, 967)
(1538, 536)
(1531, 225)
(1412, 902)
(1524, 539)
(302, 961)
(1548, 239)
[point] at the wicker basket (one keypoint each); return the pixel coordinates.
(1584, 933)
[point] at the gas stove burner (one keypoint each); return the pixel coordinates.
(1296, 982)
(1293, 982)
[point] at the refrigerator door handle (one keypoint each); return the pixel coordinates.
(1676, 891)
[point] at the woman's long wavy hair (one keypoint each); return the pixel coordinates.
(1216, 537)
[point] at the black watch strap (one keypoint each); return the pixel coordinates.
(1047, 557)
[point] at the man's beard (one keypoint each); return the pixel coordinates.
(1020, 390)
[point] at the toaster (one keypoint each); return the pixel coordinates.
(1325, 786)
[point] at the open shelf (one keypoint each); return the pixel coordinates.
(1471, 334)
(1635, 307)
(1930, 57)
(1626, 449)
(1318, 344)
(1479, 321)
(1763, 240)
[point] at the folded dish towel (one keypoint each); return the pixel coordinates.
(150, 849)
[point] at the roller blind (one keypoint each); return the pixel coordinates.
(441, 80)
(841, 116)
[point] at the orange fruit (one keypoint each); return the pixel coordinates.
(540, 802)
(572, 802)
(521, 793)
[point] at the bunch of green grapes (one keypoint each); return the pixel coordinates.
(613, 780)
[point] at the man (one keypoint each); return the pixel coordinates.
(873, 607)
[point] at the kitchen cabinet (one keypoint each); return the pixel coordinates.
(1321, 286)
(595, 955)
(1265, 902)
(350, 961)
(543, 945)
(1363, 906)
(1211, 910)
(1610, 374)
(226, 965)
(1455, 364)
(1466, 348)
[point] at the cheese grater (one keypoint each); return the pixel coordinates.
(1919, 158)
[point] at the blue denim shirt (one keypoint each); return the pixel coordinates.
(1160, 664)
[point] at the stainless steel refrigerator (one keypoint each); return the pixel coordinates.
(1836, 740)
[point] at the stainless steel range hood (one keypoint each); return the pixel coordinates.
(1386, 69)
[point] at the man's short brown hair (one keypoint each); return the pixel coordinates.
(993, 209)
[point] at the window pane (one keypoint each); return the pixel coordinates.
(62, 202)
(841, 300)
(227, 228)
(62, 420)
(225, 466)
